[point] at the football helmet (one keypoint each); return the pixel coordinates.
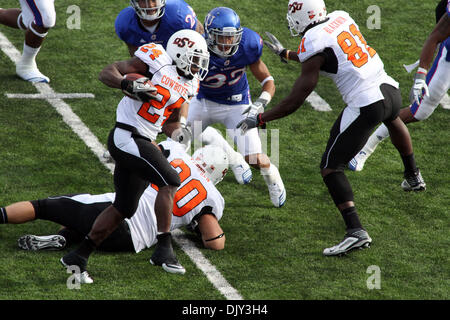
(223, 31)
(189, 51)
(213, 161)
(148, 12)
(303, 13)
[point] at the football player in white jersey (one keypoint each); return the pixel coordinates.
(334, 45)
(35, 17)
(174, 75)
(77, 213)
(435, 83)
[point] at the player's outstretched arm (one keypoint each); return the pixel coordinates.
(20, 212)
(302, 88)
(212, 234)
(440, 32)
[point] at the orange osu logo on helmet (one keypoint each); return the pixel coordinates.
(295, 6)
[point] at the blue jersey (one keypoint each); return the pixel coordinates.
(178, 15)
(226, 81)
(448, 8)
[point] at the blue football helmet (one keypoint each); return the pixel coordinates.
(149, 9)
(223, 31)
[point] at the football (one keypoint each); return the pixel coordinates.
(143, 90)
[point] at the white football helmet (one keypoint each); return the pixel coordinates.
(213, 161)
(302, 13)
(189, 51)
(146, 11)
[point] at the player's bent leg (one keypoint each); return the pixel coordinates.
(26, 67)
(271, 176)
(238, 165)
(358, 161)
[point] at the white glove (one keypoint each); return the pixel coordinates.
(276, 47)
(419, 88)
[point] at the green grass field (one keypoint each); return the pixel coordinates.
(270, 254)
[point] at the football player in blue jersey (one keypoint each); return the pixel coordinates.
(146, 21)
(435, 83)
(224, 97)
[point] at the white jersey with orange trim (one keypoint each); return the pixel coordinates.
(196, 194)
(358, 70)
(148, 118)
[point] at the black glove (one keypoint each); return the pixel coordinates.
(139, 89)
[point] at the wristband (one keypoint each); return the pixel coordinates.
(260, 120)
(422, 70)
(266, 96)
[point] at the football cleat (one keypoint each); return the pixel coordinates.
(73, 259)
(413, 182)
(277, 194)
(35, 243)
(30, 72)
(357, 163)
(356, 239)
(165, 257)
(242, 173)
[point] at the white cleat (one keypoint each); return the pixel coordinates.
(30, 72)
(277, 194)
(357, 163)
(356, 239)
(35, 243)
(242, 173)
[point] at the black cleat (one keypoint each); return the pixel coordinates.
(74, 259)
(413, 182)
(164, 255)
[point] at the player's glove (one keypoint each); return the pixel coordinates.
(419, 88)
(276, 47)
(256, 107)
(183, 135)
(252, 121)
(141, 89)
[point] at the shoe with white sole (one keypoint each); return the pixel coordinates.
(413, 182)
(242, 173)
(35, 243)
(30, 72)
(164, 256)
(277, 194)
(358, 238)
(357, 163)
(77, 265)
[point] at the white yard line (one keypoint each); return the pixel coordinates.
(75, 123)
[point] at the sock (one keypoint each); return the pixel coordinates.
(3, 216)
(379, 135)
(87, 246)
(71, 236)
(29, 54)
(351, 218)
(271, 175)
(410, 163)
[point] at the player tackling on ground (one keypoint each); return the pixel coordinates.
(333, 44)
(77, 213)
(175, 74)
